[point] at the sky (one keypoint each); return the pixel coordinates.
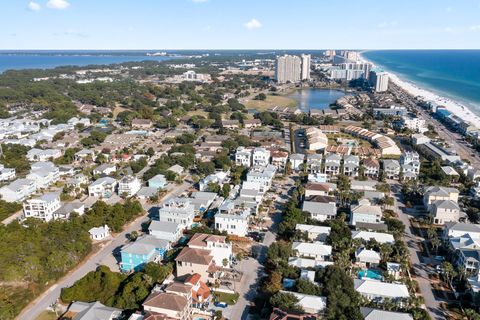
(239, 24)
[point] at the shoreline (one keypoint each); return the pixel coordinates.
(458, 109)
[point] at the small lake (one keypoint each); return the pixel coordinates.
(311, 98)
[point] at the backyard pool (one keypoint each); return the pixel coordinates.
(371, 274)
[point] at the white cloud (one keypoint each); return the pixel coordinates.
(199, 1)
(33, 6)
(253, 24)
(474, 28)
(58, 4)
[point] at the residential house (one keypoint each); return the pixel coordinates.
(219, 178)
(351, 165)
(376, 314)
(309, 303)
(18, 190)
(379, 237)
(316, 250)
(178, 210)
(158, 182)
(129, 186)
(297, 160)
(202, 200)
(84, 155)
(444, 211)
(278, 314)
(410, 162)
(218, 246)
(243, 157)
(230, 124)
(320, 211)
(260, 157)
(142, 124)
(170, 231)
(260, 178)
(42, 207)
(371, 167)
(145, 249)
(319, 189)
(439, 193)
(473, 174)
(362, 186)
(379, 291)
(365, 213)
(177, 169)
(457, 229)
(79, 310)
(314, 163)
(367, 258)
(102, 187)
(332, 164)
(391, 168)
(44, 174)
(99, 233)
(233, 223)
(314, 233)
(43, 155)
(6, 174)
(317, 140)
(163, 305)
(279, 159)
(253, 123)
(105, 169)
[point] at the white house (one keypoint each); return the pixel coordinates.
(170, 231)
(44, 174)
(105, 169)
(351, 165)
(376, 314)
(297, 160)
(220, 249)
(391, 168)
(316, 250)
(379, 291)
(332, 164)
(379, 237)
(99, 233)
(178, 210)
(439, 193)
(42, 208)
(367, 258)
(314, 233)
(129, 185)
(243, 157)
(309, 303)
(320, 211)
(6, 174)
(236, 224)
(365, 213)
(103, 187)
(260, 157)
(43, 155)
(18, 190)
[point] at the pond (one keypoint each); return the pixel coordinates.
(318, 99)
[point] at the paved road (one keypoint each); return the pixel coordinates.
(32, 311)
(422, 269)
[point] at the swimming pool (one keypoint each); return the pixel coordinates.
(371, 274)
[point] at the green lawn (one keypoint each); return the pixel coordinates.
(228, 298)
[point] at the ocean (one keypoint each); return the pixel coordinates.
(454, 74)
(17, 60)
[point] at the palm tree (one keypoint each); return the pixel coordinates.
(435, 242)
(448, 271)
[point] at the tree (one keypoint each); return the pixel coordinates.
(225, 192)
(286, 301)
(307, 287)
(273, 284)
(448, 271)
(261, 96)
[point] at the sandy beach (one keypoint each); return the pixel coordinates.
(454, 107)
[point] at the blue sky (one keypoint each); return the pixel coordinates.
(239, 24)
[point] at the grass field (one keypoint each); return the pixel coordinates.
(228, 298)
(47, 315)
(271, 101)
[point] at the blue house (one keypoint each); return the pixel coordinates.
(142, 251)
(158, 182)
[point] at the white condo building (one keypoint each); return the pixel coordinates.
(379, 81)
(288, 69)
(305, 75)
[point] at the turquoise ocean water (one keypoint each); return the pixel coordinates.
(454, 74)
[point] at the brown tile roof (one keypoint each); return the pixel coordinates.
(371, 163)
(196, 256)
(317, 187)
(322, 199)
(169, 301)
(200, 239)
(178, 287)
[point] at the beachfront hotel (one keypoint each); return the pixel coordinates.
(293, 69)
